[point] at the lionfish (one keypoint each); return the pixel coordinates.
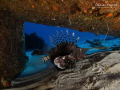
(65, 53)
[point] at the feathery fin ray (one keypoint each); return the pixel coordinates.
(58, 38)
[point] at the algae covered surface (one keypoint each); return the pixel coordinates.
(82, 15)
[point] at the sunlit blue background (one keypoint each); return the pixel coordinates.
(46, 31)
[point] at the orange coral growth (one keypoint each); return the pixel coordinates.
(1, 36)
(116, 27)
(55, 8)
(109, 15)
(32, 6)
(82, 30)
(7, 84)
(116, 19)
(85, 11)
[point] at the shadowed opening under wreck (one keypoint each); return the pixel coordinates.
(37, 37)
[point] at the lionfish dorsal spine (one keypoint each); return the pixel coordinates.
(63, 36)
(62, 32)
(51, 40)
(68, 35)
(58, 38)
(77, 39)
(67, 32)
(57, 32)
(73, 36)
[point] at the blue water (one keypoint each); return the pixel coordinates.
(35, 63)
(46, 31)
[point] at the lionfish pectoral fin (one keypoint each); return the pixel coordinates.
(45, 58)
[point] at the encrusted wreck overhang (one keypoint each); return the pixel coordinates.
(83, 15)
(97, 16)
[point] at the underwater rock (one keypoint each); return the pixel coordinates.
(27, 58)
(33, 41)
(95, 43)
(115, 48)
(12, 49)
(101, 73)
(110, 38)
(32, 81)
(37, 52)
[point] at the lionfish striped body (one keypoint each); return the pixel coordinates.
(65, 53)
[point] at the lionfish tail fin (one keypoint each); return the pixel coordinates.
(45, 58)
